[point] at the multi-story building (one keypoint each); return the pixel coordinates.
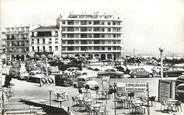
(44, 40)
(17, 42)
(3, 43)
(91, 35)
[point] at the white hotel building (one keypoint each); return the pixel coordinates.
(91, 35)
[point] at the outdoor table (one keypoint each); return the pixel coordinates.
(61, 101)
(80, 97)
(137, 105)
(96, 107)
(88, 101)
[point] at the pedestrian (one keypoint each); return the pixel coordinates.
(8, 78)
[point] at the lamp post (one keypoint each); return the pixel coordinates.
(161, 54)
(114, 91)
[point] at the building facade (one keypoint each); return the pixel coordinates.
(17, 42)
(91, 35)
(44, 40)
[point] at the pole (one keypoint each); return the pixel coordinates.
(114, 99)
(50, 97)
(60, 26)
(161, 52)
(148, 99)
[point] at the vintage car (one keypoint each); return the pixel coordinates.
(113, 73)
(140, 73)
(35, 76)
(83, 81)
(180, 92)
(23, 75)
(62, 80)
(172, 72)
(53, 69)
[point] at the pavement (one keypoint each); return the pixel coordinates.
(31, 91)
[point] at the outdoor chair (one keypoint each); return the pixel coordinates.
(82, 105)
(75, 101)
(152, 99)
(163, 105)
(178, 106)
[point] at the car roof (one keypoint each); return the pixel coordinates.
(182, 84)
(181, 77)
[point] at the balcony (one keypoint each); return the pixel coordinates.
(92, 51)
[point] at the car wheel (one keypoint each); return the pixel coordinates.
(134, 76)
(150, 75)
(75, 85)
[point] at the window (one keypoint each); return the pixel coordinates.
(70, 48)
(96, 22)
(83, 48)
(50, 48)
(109, 23)
(77, 42)
(63, 35)
(96, 41)
(70, 35)
(63, 22)
(83, 35)
(38, 48)
(56, 40)
(32, 48)
(43, 40)
(38, 41)
(90, 42)
(70, 29)
(70, 42)
(103, 48)
(109, 48)
(109, 29)
(56, 48)
(83, 29)
(63, 48)
(32, 41)
(43, 48)
(71, 22)
(50, 40)
(83, 41)
(63, 42)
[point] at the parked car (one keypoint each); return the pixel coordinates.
(35, 76)
(140, 72)
(113, 73)
(62, 80)
(172, 72)
(23, 75)
(180, 92)
(83, 81)
(53, 69)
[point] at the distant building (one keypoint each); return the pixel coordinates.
(91, 35)
(3, 43)
(96, 36)
(44, 40)
(17, 42)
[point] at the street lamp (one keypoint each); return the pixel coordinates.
(161, 53)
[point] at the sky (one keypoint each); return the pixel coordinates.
(147, 24)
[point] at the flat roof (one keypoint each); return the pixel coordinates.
(46, 28)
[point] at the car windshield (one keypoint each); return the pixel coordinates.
(110, 70)
(180, 88)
